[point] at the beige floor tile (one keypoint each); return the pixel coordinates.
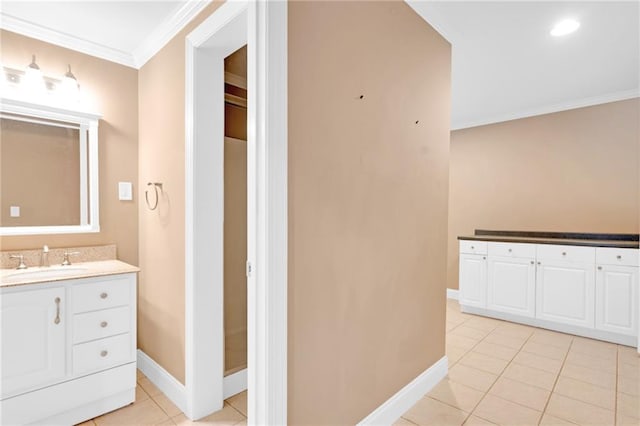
(628, 406)
(505, 340)
(520, 393)
(515, 330)
(140, 413)
(168, 422)
(454, 354)
(149, 387)
(629, 371)
(588, 375)
(545, 350)
(477, 421)
(595, 348)
(578, 411)
(465, 331)
(530, 376)
(552, 338)
(539, 362)
(628, 386)
(461, 341)
(239, 402)
(505, 412)
(628, 355)
(403, 422)
(484, 362)
(472, 377)
(585, 392)
(451, 325)
(87, 423)
(428, 412)
(588, 361)
(498, 351)
(141, 395)
(139, 374)
(166, 405)
(482, 323)
(228, 416)
(549, 420)
(626, 421)
(457, 395)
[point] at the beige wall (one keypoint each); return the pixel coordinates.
(367, 205)
(161, 314)
(112, 90)
(572, 171)
(40, 173)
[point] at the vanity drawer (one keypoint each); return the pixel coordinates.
(101, 294)
(617, 256)
(100, 324)
(473, 247)
(102, 354)
(566, 253)
(512, 250)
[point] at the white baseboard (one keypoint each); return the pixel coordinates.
(452, 294)
(234, 384)
(169, 385)
(393, 408)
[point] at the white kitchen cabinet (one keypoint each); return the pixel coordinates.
(565, 292)
(33, 339)
(68, 349)
(473, 280)
(511, 285)
(617, 299)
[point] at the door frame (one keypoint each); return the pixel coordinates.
(263, 27)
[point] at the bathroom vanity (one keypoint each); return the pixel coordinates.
(68, 342)
(583, 284)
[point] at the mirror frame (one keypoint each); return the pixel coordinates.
(88, 124)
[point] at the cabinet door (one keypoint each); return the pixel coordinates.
(473, 280)
(617, 299)
(511, 286)
(33, 339)
(565, 293)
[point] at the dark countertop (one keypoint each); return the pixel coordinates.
(574, 239)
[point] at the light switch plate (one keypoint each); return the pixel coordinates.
(14, 211)
(125, 191)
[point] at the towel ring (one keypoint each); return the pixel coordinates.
(155, 185)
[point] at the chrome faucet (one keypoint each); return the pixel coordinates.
(20, 257)
(44, 256)
(65, 260)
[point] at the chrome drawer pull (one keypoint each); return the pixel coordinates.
(472, 247)
(564, 253)
(510, 250)
(103, 295)
(57, 318)
(618, 257)
(532, 262)
(104, 354)
(599, 268)
(103, 324)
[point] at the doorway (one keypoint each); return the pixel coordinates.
(262, 27)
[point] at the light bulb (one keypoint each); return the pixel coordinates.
(33, 84)
(565, 27)
(69, 92)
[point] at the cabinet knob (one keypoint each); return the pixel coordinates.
(103, 295)
(618, 257)
(484, 257)
(510, 250)
(599, 268)
(539, 263)
(532, 262)
(104, 353)
(472, 247)
(564, 253)
(104, 324)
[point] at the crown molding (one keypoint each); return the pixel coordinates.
(167, 30)
(25, 28)
(549, 109)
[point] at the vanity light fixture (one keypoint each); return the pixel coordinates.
(564, 27)
(69, 87)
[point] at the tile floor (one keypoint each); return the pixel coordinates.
(153, 408)
(499, 373)
(510, 374)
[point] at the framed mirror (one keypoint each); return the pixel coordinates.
(48, 169)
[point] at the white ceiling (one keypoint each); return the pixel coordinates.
(505, 65)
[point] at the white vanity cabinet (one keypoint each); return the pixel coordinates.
(473, 273)
(511, 278)
(578, 289)
(617, 291)
(68, 349)
(33, 339)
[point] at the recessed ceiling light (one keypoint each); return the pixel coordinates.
(565, 27)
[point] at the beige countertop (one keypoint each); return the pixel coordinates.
(34, 275)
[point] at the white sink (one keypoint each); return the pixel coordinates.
(41, 273)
